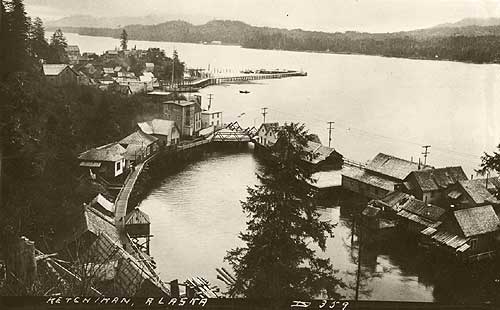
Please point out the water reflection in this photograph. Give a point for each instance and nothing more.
(196, 217)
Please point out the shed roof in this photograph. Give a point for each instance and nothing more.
(138, 137)
(418, 219)
(320, 152)
(109, 152)
(371, 179)
(477, 190)
(396, 199)
(103, 202)
(137, 217)
(392, 166)
(54, 69)
(157, 127)
(182, 103)
(440, 178)
(87, 219)
(477, 220)
(422, 209)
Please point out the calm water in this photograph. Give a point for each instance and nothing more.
(378, 105)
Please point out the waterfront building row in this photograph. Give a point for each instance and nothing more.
(445, 210)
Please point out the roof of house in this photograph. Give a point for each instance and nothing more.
(54, 69)
(446, 238)
(131, 273)
(157, 127)
(138, 137)
(418, 219)
(182, 103)
(87, 219)
(107, 70)
(137, 217)
(477, 220)
(371, 179)
(395, 200)
(319, 151)
(210, 112)
(109, 152)
(440, 178)
(477, 190)
(103, 202)
(420, 208)
(268, 126)
(392, 166)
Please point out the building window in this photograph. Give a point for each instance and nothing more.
(118, 166)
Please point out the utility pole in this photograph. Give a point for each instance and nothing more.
(330, 128)
(264, 112)
(210, 97)
(425, 153)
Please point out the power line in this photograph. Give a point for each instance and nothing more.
(330, 124)
(264, 112)
(425, 153)
(210, 97)
(363, 132)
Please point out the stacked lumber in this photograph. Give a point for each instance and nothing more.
(202, 288)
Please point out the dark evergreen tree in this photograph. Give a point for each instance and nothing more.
(15, 38)
(277, 261)
(38, 43)
(491, 163)
(124, 40)
(58, 46)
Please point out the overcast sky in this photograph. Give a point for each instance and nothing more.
(325, 15)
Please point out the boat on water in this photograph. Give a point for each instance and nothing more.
(244, 92)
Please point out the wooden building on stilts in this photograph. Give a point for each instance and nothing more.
(137, 226)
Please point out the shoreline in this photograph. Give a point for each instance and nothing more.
(306, 51)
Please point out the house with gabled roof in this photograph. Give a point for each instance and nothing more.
(139, 146)
(382, 175)
(107, 161)
(323, 157)
(166, 131)
(472, 193)
(267, 134)
(60, 74)
(430, 185)
(471, 233)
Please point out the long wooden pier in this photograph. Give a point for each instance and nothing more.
(241, 78)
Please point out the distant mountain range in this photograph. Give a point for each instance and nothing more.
(492, 21)
(120, 21)
(469, 40)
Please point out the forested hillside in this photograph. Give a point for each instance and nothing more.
(470, 43)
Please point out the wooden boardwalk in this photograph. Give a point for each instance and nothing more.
(121, 202)
(239, 78)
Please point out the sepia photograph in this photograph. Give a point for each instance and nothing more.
(250, 154)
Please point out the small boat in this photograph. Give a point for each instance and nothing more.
(244, 92)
